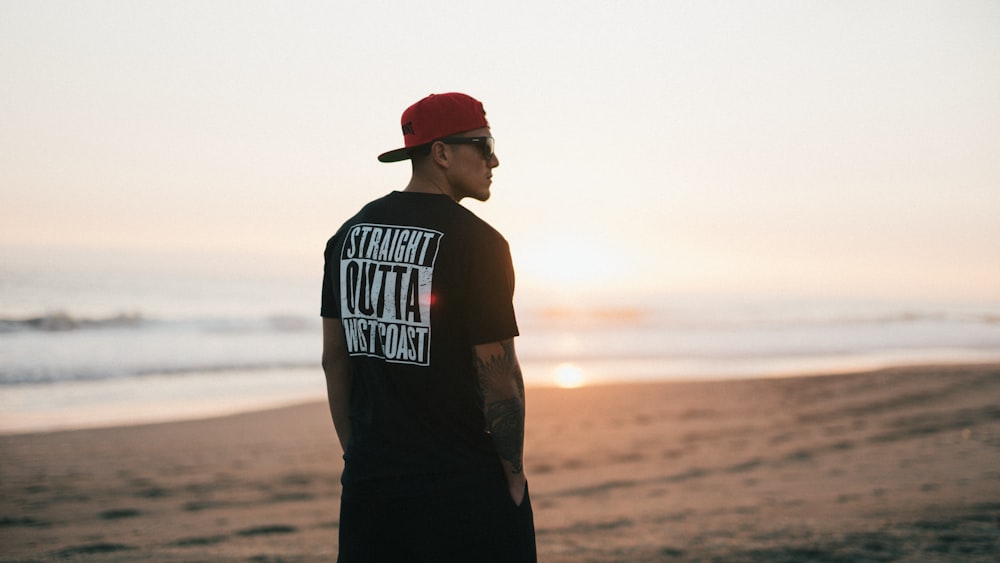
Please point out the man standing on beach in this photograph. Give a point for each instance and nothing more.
(424, 386)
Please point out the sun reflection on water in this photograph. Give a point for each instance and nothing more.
(569, 376)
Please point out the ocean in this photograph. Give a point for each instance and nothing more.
(89, 347)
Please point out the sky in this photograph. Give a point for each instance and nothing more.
(819, 148)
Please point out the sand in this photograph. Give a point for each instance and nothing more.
(895, 465)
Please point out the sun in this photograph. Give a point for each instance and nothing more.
(569, 376)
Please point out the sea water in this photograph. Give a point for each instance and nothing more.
(90, 347)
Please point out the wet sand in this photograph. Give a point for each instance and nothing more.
(899, 464)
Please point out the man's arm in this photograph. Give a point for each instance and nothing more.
(503, 402)
(337, 367)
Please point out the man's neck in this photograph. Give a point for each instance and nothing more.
(428, 186)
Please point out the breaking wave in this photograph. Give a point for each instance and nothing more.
(62, 347)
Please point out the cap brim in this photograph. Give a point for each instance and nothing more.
(395, 156)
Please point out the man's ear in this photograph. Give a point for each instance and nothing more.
(439, 152)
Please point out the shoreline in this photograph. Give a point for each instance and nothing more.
(167, 398)
(899, 463)
(163, 398)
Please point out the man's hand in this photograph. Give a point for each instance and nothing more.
(517, 487)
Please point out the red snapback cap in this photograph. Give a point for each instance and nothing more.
(434, 117)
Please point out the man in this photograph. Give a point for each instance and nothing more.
(424, 386)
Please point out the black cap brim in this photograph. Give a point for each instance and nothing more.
(395, 156)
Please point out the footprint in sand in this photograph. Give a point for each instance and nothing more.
(267, 530)
(91, 549)
(199, 541)
(119, 513)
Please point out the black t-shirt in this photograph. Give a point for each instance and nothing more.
(417, 280)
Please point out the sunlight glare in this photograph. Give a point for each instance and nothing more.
(572, 261)
(569, 376)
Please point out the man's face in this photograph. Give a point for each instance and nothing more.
(471, 174)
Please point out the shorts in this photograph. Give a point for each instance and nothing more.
(479, 523)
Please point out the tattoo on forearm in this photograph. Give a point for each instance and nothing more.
(500, 366)
(497, 364)
(505, 419)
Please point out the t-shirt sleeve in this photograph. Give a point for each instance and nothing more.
(490, 314)
(330, 301)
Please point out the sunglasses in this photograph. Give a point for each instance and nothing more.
(485, 144)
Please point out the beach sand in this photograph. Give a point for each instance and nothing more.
(900, 464)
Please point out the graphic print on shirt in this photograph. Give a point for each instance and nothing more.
(385, 291)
